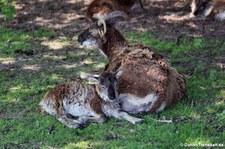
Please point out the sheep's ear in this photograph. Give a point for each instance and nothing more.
(84, 75)
(89, 77)
(93, 80)
(118, 73)
(114, 17)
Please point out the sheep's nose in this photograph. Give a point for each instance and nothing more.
(112, 94)
(112, 97)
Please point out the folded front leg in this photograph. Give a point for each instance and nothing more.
(123, 115)
(71, 123)
(133, 120)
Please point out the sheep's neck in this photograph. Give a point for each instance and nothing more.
(115, 40)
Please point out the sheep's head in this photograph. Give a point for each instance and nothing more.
(94, 36)
(106, 84)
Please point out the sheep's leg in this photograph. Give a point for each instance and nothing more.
(124, 115)
(90, 119)
(71, 123)
(81, 121)
(62, 116)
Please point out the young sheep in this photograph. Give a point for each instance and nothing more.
(209, 8)
(103, 7)
(147, 82)
(90, 103)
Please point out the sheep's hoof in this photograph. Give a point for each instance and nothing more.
(102, 120)
(73, 125)
(82, 126)
(140, 121)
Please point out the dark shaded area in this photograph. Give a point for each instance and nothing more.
(165, 18)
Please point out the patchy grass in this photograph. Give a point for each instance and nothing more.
(33, 62)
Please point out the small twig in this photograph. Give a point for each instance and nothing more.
(192, 103)
(64, 62)
(164, 121)
(195, 57)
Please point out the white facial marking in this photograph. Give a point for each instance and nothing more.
(89, 43)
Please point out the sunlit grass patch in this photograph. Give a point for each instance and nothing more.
(56, 44)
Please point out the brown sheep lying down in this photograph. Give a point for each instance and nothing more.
(90, 103)
(147, 82)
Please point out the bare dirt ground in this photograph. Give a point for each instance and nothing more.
(166, 18)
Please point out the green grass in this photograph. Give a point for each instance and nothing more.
(197, 119)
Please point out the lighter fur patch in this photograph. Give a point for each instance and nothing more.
(163, 105)
(77, 109)
(137, 101)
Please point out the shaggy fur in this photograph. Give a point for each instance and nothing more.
(144, 72)
(83, 101)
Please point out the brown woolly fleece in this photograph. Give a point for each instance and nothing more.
(72, 91)
(144, 71)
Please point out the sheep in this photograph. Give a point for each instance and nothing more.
(212, 9)
(88, 102)
(147, 82)
(103, 7)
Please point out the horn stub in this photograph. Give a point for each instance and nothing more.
(116, 14)
(101, 21)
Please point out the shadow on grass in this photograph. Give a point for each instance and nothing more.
(168, 19)
(56, 58)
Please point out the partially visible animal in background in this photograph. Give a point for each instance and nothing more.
(211, 9)
(90, 103)
(101, 8)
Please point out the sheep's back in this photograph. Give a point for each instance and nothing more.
(145, 72)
